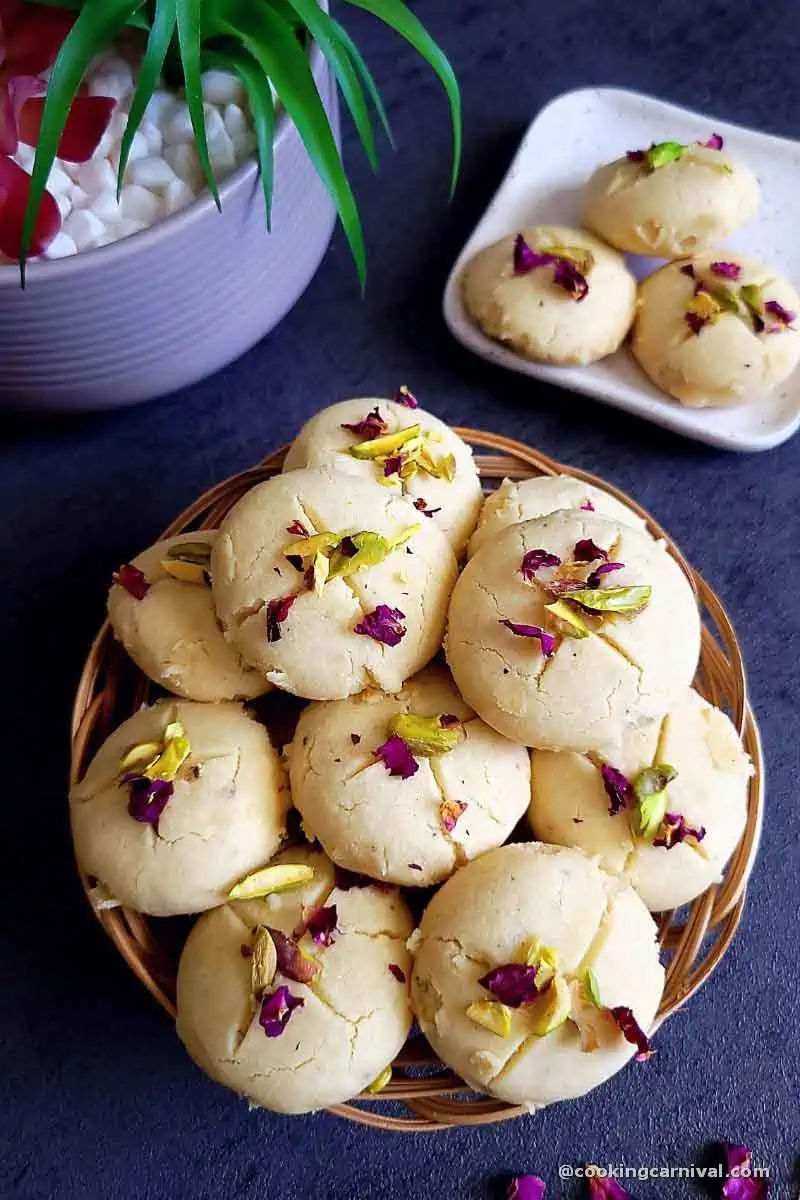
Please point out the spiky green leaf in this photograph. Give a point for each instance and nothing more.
(262, 107)
(164, 23)
(190, 20)
(366, 78)
(398, 17)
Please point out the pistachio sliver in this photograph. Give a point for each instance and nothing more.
(139, 757)
(380, 1081)
(543, 958)
(389, 442)
(491, 1015)
(264, 961)
(185, 570)
(621, 599)
(174, 754)
(650, 788)
(551, 1009)
(566, 619)
(271, 879)
(592, 988)
(321, 570)
(426, 736)
(193, 552)
(310, 546)
(403, 536)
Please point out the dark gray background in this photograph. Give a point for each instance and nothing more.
(97, 1098)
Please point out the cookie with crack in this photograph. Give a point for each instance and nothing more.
(665, 809)
(161, 610)
(406, 787)
(528, 964)
(405, 448)
(328, 584)
(566, 630)
(299, 999)
(179, 802)
(552, 294)
(524, 499)
(671, 200)
(719, 330)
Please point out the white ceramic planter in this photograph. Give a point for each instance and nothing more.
(168, 306)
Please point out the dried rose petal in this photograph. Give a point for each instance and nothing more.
(675, 829)
(133, 580)
(397, 758)
(371, 426)
(290, 959)
(414, 867)
(567, 276)
(784, 315)
(727, 270)
(603, 1187)
(593, 580)
(535, 560)
(526, 1187)
(587, 506)
(715, 142)
(345, 880)
(449, 813)
(526, 259)
(277, 612)
(298, 529)
(33, 38)
(86, 122)
(392, 465)
(635, 155)
(587, 551)
(688, 269)
(14, 187)
(740, 1183)
(398, 972)
(695, 322)
(619, 788)
(276, 1009)
(632, 1031)
(383, 624)
(513, 984)
(355, 738)
(405, 397)
(422, 506)
(547, 640)
(322, 925)
(148, 798)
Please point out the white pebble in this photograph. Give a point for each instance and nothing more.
(177, 196)
(79, 197)
(152, 135)
(221, 87)
(157, 107)
(139, 147)
(177, 128)
(235, 120)
(151, 172)
(186, 165)
(126, 227)
(58, 181)
(24, 156)
(106, 206)
(115, 80)
(64, 202)
(61, 246)
(220, 146)
(244, 146)
(105, 239)
(84, 228)
(96, 176)
(138, 203)
(112, 136)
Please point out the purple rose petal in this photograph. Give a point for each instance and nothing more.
(587, 551)
(392, 465)
(526, 1187)
(132, 580)
(675, 829)
(371, 426)
(277, 612)
(291, 961)
(688, 269)
(397, 758)
(547, 640)
(740, 1183)
(422, 506)
(355, 738)
(727, 270)
(635, 155)
(632, 1031)
(148, 798)
(594, 579)
(322, 925)
(784, 316)
(567, 276)
(619, 788)
(298, 529)
(276, 1009)
(587, 506)
(526, 259)
(383, 624)
(513, 984)
(695, 322)
(398, 972)
(450, 812)
(405, 397)
(535, 560)
(715, 142)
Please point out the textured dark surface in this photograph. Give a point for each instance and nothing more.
(96, 1095)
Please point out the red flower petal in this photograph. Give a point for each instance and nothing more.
(86, 123)
(14, 187)
(14, 93)
(34, 37)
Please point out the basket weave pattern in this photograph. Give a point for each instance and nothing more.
(432, 1097)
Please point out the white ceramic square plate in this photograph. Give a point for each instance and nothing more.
(569, 138)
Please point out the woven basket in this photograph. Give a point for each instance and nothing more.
(423, 1094)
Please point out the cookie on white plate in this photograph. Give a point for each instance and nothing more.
(179, 802)
(161, 610)
(406, 787)
(552, 294)
(328, 584)
(533, 968)
(565, 631)
(718, 330)
(299, 999)
(405, 448)
(524, 499)
(665, 809)
(671, 200)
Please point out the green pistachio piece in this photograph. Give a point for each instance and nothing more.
(752, 297)
(621, 599)
(371, 549)
(491, 1015)
(193, 552)
(310, 546)
(403, 536)
(705, 306)
(271, 879)
(380, 1082)
(426, 736)
(725, 298)
(592, 988)
(443, 467)
(385, 445)
(566, 619)
(583, 259)
(661, 154)
(185, 570)
(543, 958)
(172, 757)
(264, 961)
(650, 788)
(322, 566)
(139, 757)
(551, 1009)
